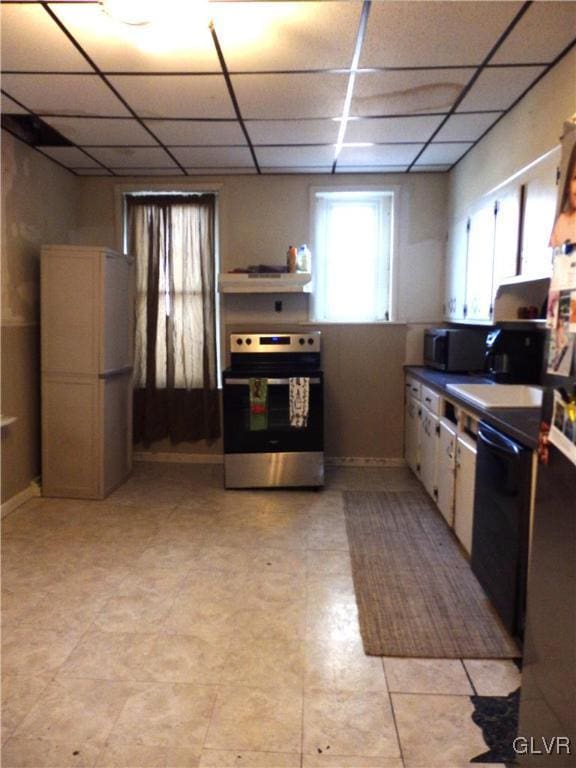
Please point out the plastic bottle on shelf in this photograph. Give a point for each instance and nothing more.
(303, 258)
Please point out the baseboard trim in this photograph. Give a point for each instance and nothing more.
(179, 458)
(363, 461)
(16, 501)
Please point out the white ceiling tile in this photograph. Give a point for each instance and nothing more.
(454, 33)
(398, 93)
(466, 127)
(176, 95)
(542, 32)
(200, 132)
(140, 172)
(92, 172)
(277, 170)
(293, 131)
(295, 157)
(133, 157)
(100, 131)
(394, 154)
(291, 95)
(499, 88)
(71, 157)
(210, 157)
(64, 94)
(10, 107)
(287, 35)
(375, 129)
(167, 45)
(442, 154)
(32, 42)
(371, 168)
(221, 171)
(430, 168)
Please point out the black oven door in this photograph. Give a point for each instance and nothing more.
(280, 436)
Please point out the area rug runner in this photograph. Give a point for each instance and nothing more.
(415, 591)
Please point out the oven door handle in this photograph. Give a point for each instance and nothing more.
(271, 382)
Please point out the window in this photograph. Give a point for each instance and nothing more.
(353, 255)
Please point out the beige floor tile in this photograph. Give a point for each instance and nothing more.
(166, 714)
(250, 559)
(335, 664)
(270, 589)
(41, 753)
(19, 604)
(213, 758)
(75, 712)
(29, 651)
(122, 755)
(436, 730)
(19, 694)
(426, 676)
(284, 621)
(349, 723)
(256, 720)
(328, 563)
(326, 760)
(184, 659)
(267, 662)
(66, 612)
(144, 613)
(109, 656)
(177, 554)
(207, 619)
(493, 677)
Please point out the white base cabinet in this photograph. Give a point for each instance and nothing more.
(445, 481)
(428, 450)
(464, 493)
(411, 433)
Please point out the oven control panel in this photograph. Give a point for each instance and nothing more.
(250, 343)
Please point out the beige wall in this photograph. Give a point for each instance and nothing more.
(529, 131)
(259, 218)
(38, 206)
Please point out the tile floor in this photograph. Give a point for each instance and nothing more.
(178, 625)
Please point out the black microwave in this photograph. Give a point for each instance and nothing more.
(455, 349)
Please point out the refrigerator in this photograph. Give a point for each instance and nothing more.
(547, 718)
(87, 311)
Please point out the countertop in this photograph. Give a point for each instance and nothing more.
(521, 424)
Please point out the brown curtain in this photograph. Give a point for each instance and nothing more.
(176, 395)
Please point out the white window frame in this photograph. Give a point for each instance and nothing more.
(316, 299)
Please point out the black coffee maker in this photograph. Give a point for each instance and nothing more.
(515, 356)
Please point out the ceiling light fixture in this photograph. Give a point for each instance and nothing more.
(133, 12)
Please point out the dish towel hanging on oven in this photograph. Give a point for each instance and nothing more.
(258, 404)
(299, 392)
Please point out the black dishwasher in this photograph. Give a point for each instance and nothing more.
(501, 524)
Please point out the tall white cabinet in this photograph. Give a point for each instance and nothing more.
(87, 310)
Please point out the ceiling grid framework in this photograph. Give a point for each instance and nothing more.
(305, 86)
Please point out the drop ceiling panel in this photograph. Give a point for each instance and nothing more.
(371, 169)
(466, 127)
(167, 45)
(499, 88)
(133, 157)
(392, 129)
(64, 94)
(176, 95)
(92, 172)
(409, 34)
(221, 171)
(9, 107)
(430, 168)
(210, 157)
(103, 131)
(142, 172)
(443, 154)
(287, 35)
(399, 93)
(200, 132)
(295, 157)
(276, 171)
(32, 42)
(545, 29)
(291, 95)
(71, 157)
(293, 131)
(398, 154)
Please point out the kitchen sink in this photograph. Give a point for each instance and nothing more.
(499, 395)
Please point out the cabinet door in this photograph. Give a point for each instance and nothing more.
(411, 430)
(428, 450)
(540, 193)
(446, 467)
(464, 493)
(479, 264)
(117, 339)
(506, 237)
(455, 294)
(116, 410)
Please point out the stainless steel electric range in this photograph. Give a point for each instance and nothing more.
(267, 444)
